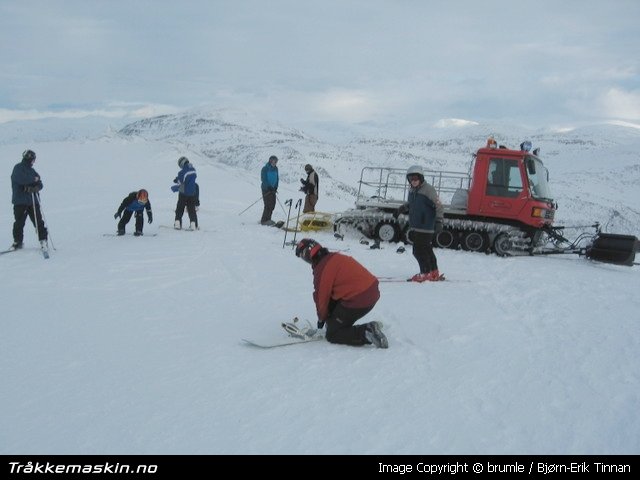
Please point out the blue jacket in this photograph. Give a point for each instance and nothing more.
(132, 204)
(424, 208)
(186, 181)
(269, 177)
(23, 176)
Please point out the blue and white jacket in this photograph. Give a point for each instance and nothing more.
(186, 181)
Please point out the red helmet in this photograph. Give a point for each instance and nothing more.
(143, 196)
(307, 249)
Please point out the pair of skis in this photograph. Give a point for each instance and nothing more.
(405, 280)
(44, 249)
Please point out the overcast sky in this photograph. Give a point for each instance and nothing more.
(537, 63)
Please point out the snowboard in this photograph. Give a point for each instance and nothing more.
(282, 343)
(129, 234)
(296, 334)
(171, 227)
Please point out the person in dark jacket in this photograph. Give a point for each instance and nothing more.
(344, 292)
(269, 185)
(188, 194)
(310, 187)
(135, 202)
(25, 185)
(425, 220)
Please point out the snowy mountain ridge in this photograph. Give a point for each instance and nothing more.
(594, 170)
(597, 167)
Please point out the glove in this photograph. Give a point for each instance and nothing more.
(438, 227)
(175, 180)
(320, 324)
(117, 215)
(175, 188)
(303, 181)
(150, 218)
(32, 189)
(401, 209)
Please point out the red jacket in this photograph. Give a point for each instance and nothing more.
(338, 277)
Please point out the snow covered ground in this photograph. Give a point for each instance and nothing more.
(132, 345)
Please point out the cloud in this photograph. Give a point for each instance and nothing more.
(454, 122)
(345, 105)
(122, 110)
(621, 104)
(358, 61)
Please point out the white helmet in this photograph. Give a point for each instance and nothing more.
(415, 170)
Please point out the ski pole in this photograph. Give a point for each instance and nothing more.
(250, 205)
(295, 232)
(35, 215)
(283, 210)
(44, 221)
(286, 228)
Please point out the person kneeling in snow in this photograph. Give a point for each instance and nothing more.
(344, 292)
(134, 202)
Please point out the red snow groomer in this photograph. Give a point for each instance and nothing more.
(503, 204)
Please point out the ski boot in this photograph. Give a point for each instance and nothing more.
(373, 334)
(419, 277)
(434, 276)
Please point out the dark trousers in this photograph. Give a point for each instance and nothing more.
(126, 216)
(20, 213)
(340, 328)
(423, 251)
(269, 199)
(189, 203)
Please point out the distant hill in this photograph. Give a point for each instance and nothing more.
(594, 171)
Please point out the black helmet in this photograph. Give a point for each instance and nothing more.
(182, 161)
(273, 157)
(307, 249)
(308, 168)
(28, 156)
